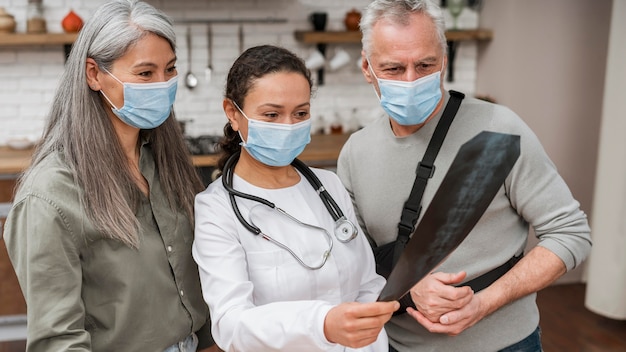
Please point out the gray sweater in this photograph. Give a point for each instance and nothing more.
(378, 169)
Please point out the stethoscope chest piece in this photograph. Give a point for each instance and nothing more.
(345, 231)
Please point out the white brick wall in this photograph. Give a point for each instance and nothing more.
(29, 75)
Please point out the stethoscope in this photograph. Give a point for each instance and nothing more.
(345, 231)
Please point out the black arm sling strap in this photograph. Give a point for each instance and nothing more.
(385, 261)
(425, 169)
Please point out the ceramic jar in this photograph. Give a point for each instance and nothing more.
(352, 20)
(7, 22)
(36, 22)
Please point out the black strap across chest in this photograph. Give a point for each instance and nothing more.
(425, 170)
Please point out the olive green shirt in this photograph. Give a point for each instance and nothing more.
(86, 292)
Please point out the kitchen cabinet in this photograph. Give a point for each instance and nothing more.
(321, 39)
(11, 298)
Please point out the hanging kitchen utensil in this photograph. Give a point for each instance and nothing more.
(240, 36)
(209, 69)
(475, 176)
(190, 79)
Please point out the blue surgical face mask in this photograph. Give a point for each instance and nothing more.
(409, 103)
(146, 105)
(276, 144)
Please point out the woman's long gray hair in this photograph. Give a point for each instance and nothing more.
(398, 11)
(79, 128)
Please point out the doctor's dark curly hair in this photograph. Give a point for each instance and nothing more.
(251, 65)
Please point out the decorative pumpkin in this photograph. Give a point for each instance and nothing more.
(72, 23)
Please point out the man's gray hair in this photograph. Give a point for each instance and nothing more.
(398, 11)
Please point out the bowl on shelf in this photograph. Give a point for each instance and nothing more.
(20, 143)
(7, 22)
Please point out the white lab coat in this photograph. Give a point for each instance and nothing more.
(259, 296)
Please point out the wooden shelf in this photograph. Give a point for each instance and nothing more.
(336, 37)
(471, 34)
(25, 39)
(328, 37)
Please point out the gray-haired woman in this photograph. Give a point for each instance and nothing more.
(101, 228)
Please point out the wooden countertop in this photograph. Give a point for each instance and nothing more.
(322, 151)
(13, 161)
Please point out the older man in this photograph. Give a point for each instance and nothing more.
(404, 58)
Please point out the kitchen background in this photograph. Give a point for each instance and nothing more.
(29, 75)
(559, 64)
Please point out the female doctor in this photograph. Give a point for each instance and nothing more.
(283, 263)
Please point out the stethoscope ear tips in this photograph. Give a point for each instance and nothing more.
(345, 231)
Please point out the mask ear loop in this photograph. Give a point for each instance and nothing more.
(243, 141)
(443, 71)
(241, 111)
(109, 100)
(102, 92)
(369, 67)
